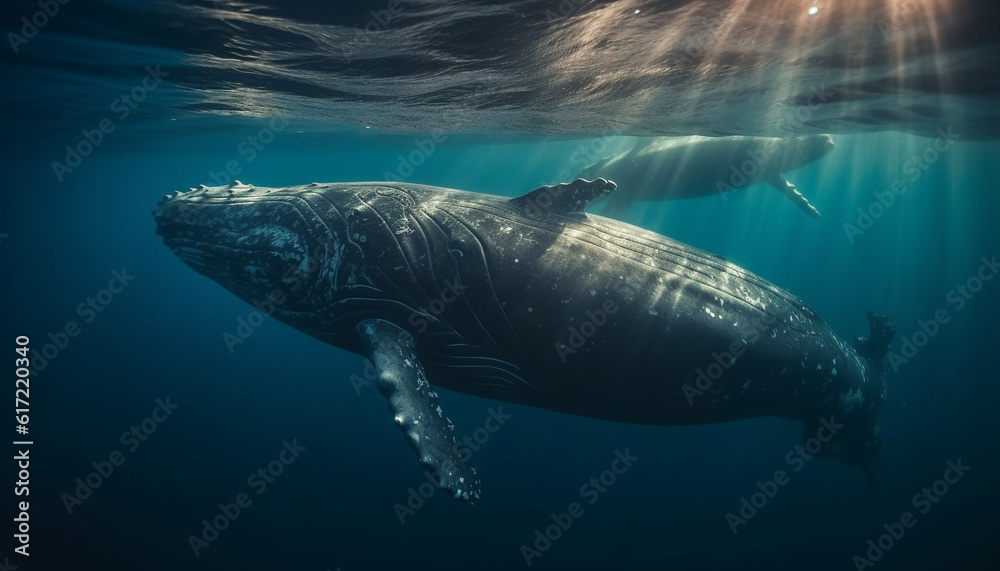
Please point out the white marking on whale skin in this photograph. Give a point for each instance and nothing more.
(834, 371)
(402, 227)
(852, 399)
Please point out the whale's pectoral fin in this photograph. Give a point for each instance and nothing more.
(566, 199)
(788, 189)
(414, 404)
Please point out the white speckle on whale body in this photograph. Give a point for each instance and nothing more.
(852, 399)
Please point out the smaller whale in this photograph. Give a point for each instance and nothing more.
(671, 168)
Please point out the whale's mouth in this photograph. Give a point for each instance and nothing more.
(236, 216)
(259, 243)
(250, 242)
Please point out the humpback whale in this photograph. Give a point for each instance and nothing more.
(529, 300)
(670, 168)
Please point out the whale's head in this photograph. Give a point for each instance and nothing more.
(274, 248)
(797, 152)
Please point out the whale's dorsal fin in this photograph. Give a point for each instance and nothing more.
(567, 198)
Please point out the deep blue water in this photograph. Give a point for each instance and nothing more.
(161, 336)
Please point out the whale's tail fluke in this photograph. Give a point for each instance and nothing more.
(875, 347)
(861, 443)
